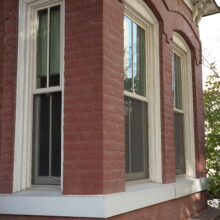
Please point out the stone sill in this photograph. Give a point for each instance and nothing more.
(53, 203)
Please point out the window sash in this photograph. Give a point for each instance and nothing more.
(48, 47)
(179, 143)
(134, 57)
(180, 163)
(47, 139)
(177, 81)
(136, 141)
(46, 142)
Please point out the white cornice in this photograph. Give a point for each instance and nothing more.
(202, 8)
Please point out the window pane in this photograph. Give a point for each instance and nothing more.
(138, 135)
(136, 138)
(41, 134)
(128, 64)
(47, 138)
(179, 143)
(56, 134)
(54, 79)
(127, 134)
(177, 82)
(42, 49)
(139, 60)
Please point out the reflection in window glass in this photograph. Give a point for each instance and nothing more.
(128, 64)
(139, 71)
(134, 58)
(177, 81)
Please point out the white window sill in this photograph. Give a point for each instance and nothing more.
(53, 203)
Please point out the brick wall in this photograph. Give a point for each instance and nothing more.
(8, 48)
(93, 103)
(113, 97)
(1, 72)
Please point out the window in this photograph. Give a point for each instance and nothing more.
(136, 104)
(178, 115)
(38, 137)
(183, 108)
(47, 99)
(141, 97)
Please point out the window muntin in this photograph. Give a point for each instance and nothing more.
(178, 115)
(47, 100)
(136, 126)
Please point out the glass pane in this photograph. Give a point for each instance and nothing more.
(42, 49)
(128, 65)
(56, 134)
(138, 135)
(127, 134)
(136, 138)
(179, 143)
(177, 82)
(139, 60)
(41, 134)
(54, 79)
(47, 137)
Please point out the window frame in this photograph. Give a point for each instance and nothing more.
(142, 98)
(138, 11)
(46, 90)
(26, 63)
(180, 47)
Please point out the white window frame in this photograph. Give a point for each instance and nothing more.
(139, 12)
(25, 89)
(181, 48)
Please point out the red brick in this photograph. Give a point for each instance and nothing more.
(8, 47)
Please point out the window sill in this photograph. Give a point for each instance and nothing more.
(53, 203)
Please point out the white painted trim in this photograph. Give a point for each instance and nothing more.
(181, 48)
(23, 122)
(188, 186)
(189, 4)
(135, 96)
(53, 203)
(141, 13)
